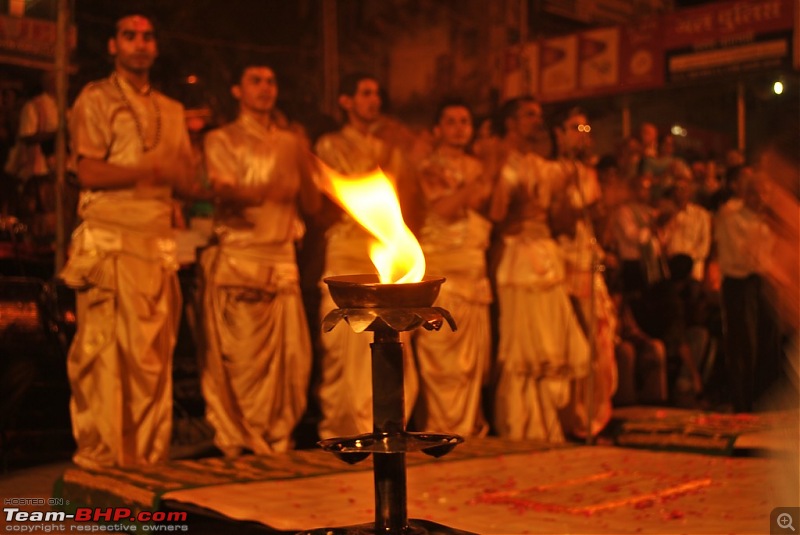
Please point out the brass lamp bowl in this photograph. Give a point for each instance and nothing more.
(366, 291)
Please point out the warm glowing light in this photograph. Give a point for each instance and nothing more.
(371, 200)
(16, 8)
(678, 130)
(191, 79)
(777, 88)
(584, 128)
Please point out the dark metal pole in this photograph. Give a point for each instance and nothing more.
(61, 63)
(741, 117)
(388, 407)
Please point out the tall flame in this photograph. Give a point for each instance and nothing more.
(371, 200)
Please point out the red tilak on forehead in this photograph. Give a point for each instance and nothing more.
(138, 23)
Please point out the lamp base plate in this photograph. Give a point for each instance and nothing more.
(415, 527)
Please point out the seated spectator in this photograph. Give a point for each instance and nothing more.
(641, 362)
(696, 309)
(672, 311)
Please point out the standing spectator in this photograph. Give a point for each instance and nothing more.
(485, 138)
(650, 164)
(648, 136)
(132, 148)
(10, 110)
(734, 158)
(258, 351)
(711, 192)
(9, 124)
(629, 156)
(744, 244)
(32, 159)
(616, 192)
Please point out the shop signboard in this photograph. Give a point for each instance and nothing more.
(558, 61)
(598, 59)
(728, 38)
(602, 61)
(711, 40)
(641, 56)
(521, 73)
(29, 41)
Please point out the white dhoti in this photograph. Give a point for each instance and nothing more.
(588, 287)
(345, 387)
(258, 356)
(453, 366)
(122, 264)
(542, 347)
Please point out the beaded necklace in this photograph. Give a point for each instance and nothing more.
(136, 121)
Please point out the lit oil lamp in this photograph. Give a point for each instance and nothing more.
(400, 298)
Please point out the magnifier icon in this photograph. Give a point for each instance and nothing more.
(785, 521)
